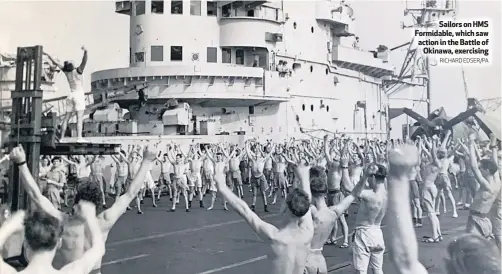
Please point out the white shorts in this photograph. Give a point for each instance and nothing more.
(368, 248)
(149, 183)
(195, 179)
(75, 101)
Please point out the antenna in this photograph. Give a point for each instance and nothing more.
(427, 15)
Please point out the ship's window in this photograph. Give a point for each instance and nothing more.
(212, 55)
(176, 53)
(250, 13)
(327, 71)
(158, 7)
(157, 54)
(140, 7)
(251, 110)
(239, 57)
(327, 108)
(312, 29)
(195, 7)
(176, 7)
(294, 25)
(311, 68)
(226, 55)
(130, 55)
(139, 57)
(211, 8)
(311, 107)
(303, 107)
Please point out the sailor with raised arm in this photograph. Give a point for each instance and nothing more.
(335, 194)
(289, 242)
(324, 217)
(220, 163)
(258, 179)
(43, 237)
(443, 160)
(489, 186)
(367, 243)
(75, 239)
(75, 101)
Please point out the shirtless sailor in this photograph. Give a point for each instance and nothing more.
(97, 166)
(429, 172)
(234, 170)
(43, 237)
(324, 219)
(279, 177)
(496, 210)
(268, 168)
(367, 243)
(290, 240)
(220, 163)
(443, 160)
(258, 180)
(208, 170)
(335, 194)
(195, 161)
(75, 101)
(134, 165)
(165, 175)
(121, 173)
(75, 239)
(180, 183)
(486, 174)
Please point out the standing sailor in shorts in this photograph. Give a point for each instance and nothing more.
(180, 183)
(429, 191)
(258, 179)
(443, 161)
(335, 194)
(220, 164)
(165, 175)
(75, 101)
(324, 218)
(234, 170)
(195, 161)
(368, 245)
(279, 177)
(486, 174)
(121, 174)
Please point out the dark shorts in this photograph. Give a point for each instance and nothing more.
(259, 182)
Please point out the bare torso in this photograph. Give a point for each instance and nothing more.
(289, 251)
(372, 207)
(280, 164)
(334, 176)
(233, 164)
(195, 166)
(257, 166)
(324, 221)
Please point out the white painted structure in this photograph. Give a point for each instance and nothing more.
(223, 59)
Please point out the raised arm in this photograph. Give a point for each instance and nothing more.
(264, 230)
(19, 157)
(81, 68)
(108, 217)
(12, 225)
(94, 254)
(474, 164)
(54, 61)
(403, 245)
(347, 201)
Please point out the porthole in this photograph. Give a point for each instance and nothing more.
(327, 71)
(327, 108)
(311, 68)
(294, 25)
(311, 107)
(303, 107)
(312, 29)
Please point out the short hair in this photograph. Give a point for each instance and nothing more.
(489, 165)
(218, 154)
(318, 186)
(298, 202)
(381, 172)
(179, 155)
(56, 159)
(317, 171)
(42, 231)
(89, 191)
(472, 253)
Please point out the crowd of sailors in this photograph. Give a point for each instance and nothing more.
(316, 180)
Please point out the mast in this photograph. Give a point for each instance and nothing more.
(427, 16)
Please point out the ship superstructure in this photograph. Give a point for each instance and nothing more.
(242, 69)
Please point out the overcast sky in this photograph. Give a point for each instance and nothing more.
(62, 27)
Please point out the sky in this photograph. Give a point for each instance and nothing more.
(62, 27)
